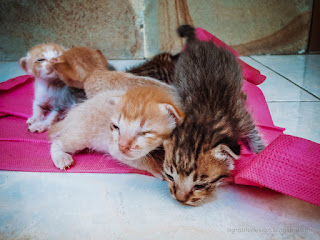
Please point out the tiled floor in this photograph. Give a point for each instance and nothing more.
(128, 206)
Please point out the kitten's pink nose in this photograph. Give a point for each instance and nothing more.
(124, 145)
(53, 60)
(181, 196)
(124, 148)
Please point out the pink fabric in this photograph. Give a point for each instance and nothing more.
(25, 151)
(289, 164)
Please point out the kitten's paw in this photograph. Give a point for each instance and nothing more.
(39, 127)
(158, 175)
(63, 161)
(156, 171)
(33, 120)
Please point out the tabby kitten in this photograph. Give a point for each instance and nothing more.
(51, 94)
(201, 151)
(127, 125)
(160, 67)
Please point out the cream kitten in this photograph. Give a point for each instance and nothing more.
(125, 124)
(50, 92)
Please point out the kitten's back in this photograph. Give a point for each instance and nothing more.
(207, 69)
(209, 82)
(160, 67)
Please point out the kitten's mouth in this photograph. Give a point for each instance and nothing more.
(126, 154)
(50, 72)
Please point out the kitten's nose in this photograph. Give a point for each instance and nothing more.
(124, 148)
(124, 145)
(181, 196)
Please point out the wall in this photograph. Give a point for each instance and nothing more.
(135, 29)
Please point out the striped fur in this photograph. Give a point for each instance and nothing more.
(160, 67)
(209, 82)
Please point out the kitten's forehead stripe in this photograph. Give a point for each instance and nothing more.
(204, 176)
(195, 177)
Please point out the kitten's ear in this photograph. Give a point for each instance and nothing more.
(102, 58)
(68, 74)
(23, 64)
(224, 153)
(60, 66)
(173, 111)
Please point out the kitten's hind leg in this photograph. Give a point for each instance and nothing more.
(254, 141)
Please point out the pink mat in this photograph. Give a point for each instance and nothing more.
(289, 164)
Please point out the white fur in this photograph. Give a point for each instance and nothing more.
(50, 53)
(38, 122)
(60, 158)
(100, 143)
(224, 153)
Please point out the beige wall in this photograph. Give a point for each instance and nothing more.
(134, 29)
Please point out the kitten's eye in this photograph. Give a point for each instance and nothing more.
(219, 178)
(113, 126)
(200, 186)
(170, 177)
(41, 59)
(144, 133)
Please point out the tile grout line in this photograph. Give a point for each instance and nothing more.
(284, 77)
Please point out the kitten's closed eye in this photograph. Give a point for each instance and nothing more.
(114, 127)
(200, 186)
(219, 178)
(145, 133)
(169, 177)
(40, 60)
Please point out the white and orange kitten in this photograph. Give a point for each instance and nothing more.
(127, 125)
(51, 94)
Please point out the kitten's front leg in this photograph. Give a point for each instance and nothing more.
(150, 165)
(60, 157)
(42, 126)
(37, 114)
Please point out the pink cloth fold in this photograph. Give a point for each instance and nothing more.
(290, 165)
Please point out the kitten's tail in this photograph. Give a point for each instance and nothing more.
(187, 31)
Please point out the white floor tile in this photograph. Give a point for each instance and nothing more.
(124, 206)
(277, 88)
(303, 70)
(299, 118)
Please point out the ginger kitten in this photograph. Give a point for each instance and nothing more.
(201, 151)
(86, 68)
(127, 125)
(51, 94)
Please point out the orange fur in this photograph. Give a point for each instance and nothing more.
(145, 112)
(30, 64)
(77, 63)
(141, 122)
(87, 69)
